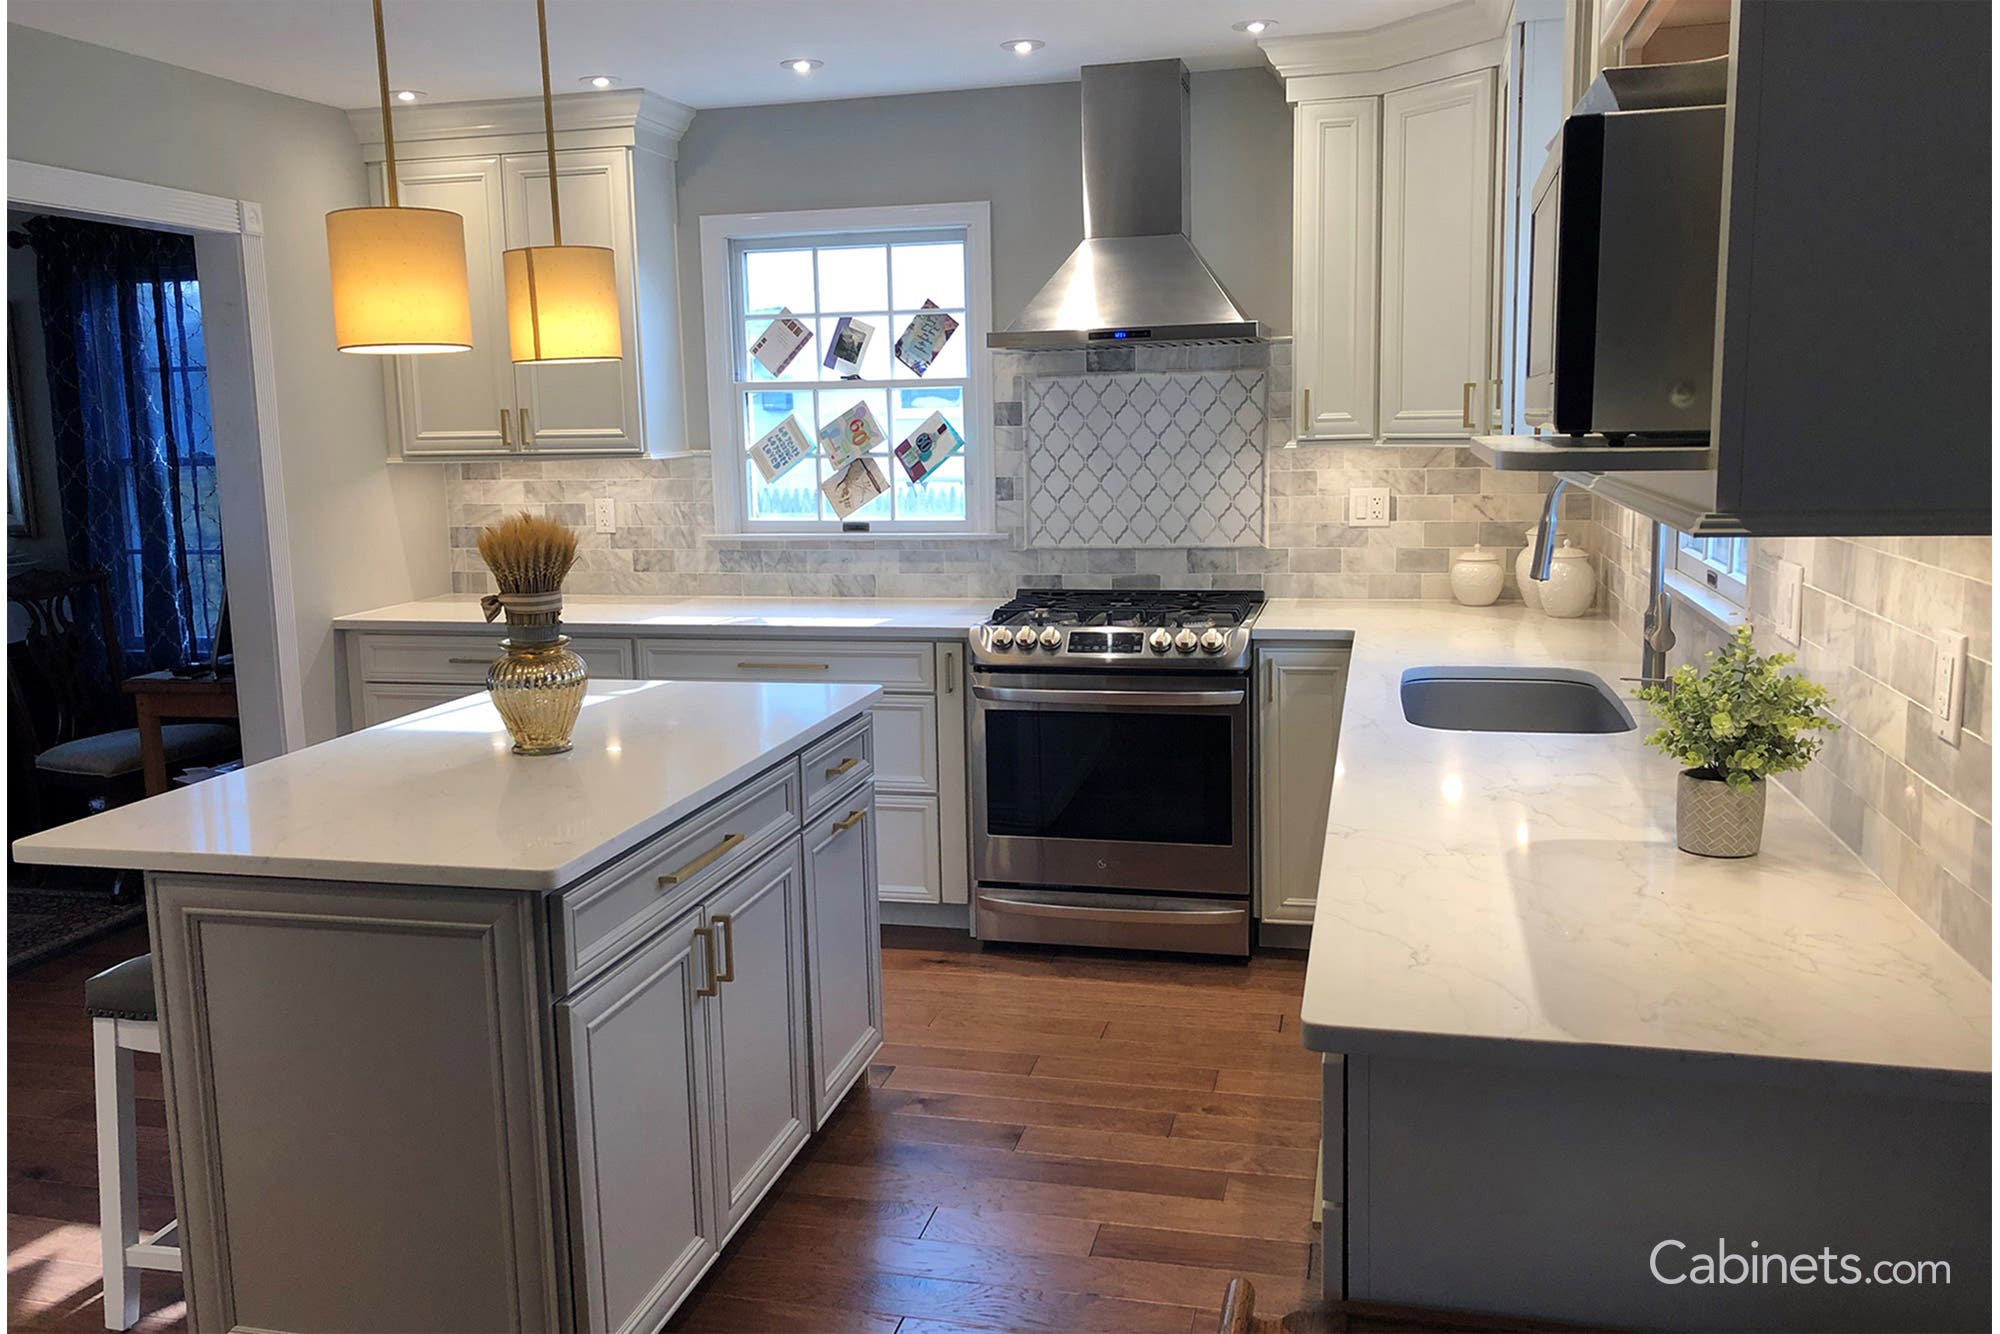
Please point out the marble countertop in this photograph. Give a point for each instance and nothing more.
(439, 798)
(1492, 888)
(799, 618)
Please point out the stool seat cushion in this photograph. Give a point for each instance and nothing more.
(111, 755)
(122, 992)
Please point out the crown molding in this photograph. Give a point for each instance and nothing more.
(1467, 23)
(626, 117)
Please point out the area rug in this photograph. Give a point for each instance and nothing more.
(44, 921)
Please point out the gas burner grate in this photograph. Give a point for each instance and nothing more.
(1198, 608)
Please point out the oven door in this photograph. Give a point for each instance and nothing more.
(1112, 780)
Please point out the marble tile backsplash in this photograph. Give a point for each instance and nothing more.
(1919, 812)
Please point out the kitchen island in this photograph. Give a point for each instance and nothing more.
(1565, 1061)
(455, 1039)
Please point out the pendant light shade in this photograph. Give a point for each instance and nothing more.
(562, 304)
(399, 284)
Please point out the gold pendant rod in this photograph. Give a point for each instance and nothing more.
(388, 132)
(548, 118)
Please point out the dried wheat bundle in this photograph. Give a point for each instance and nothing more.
(529, 557)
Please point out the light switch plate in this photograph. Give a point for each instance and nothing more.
(607, 516)
(1948, 687)
(1787, 599)
(1368, 507)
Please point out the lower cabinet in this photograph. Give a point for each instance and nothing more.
(843, 954)
(1300, 693)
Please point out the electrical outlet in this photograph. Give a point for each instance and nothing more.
(1948, 687)
(607, 516)
(1787, 598)
(1368, 507)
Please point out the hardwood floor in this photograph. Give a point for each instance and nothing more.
(1049, 1141)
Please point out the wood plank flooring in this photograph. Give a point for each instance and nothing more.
(1049, 1141)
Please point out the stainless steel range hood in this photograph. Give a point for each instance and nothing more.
(1135, 278)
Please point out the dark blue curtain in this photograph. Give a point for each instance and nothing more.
(135, 452)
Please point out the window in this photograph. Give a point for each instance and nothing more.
(176, 361)
(1720, 563)
(879, 267)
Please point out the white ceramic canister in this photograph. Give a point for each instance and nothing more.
(1572, 586)
(1476, 577)
(1531, 592)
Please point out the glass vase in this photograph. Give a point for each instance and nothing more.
(538, 689)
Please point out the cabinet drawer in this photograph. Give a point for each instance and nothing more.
(599, 920)
(464, 658)
(905, 743)
(838, 763)
(891, 666)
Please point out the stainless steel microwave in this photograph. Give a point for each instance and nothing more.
(1623, 244)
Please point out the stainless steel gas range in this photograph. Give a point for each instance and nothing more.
(1111, 769)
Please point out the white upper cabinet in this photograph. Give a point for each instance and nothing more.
(487, 161)
(1336, 166)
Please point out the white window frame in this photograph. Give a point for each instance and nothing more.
(724, 331)
(1691, 562)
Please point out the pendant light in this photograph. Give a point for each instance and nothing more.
(399, 280)
(562, 300)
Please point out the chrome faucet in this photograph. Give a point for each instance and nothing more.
(1657, 641)
(1545, 532)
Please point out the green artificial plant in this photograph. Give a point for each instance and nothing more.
(1739, 720)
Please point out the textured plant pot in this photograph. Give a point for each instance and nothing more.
(1713, 819)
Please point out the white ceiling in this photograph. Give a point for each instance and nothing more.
(706, 53)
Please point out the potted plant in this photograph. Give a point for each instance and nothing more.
(1734, 724)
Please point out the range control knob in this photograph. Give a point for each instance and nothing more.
(1185, 641)
(1212, 641)
(1160, 641)
(1051, 638)
(1003, 638)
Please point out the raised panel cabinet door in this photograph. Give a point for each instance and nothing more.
(911, 861)
(590, 407)
(1336, 161)
(757, 1022)
(843, 947)
(451, 403)
(1437, 245)
(633, 1050)
(1302, 691)
(382, 703)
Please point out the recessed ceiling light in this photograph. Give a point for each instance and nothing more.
(1255, 26)
(409, 94)
(599, 81)
(801, 64)
(1023, 46)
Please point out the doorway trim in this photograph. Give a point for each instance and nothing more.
(243, 405)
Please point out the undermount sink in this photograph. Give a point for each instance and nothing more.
(1511, 699)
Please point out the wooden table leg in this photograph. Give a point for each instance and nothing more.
(152, 747)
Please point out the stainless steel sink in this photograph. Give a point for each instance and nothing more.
(1511, 699)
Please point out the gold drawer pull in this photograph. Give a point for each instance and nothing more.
(853, 819)
(471, 662)
(841, 768)
(708, 947)
(1465, 406)
(784, 666)
(726, 924)
(700, 863)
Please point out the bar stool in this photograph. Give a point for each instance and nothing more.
(124, 1019)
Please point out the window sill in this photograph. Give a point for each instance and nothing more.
(1705, 602)
(755, 539)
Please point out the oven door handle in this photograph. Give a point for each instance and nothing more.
(1080, 912)
(1131, 699)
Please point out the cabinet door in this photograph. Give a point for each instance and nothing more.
(757, 1021)
(1302, 690)
(912, 865)
(636, 1106)
(843, 947)
(1437, 243)
(380, 703)
(1335, 156)
(450, 404)
(592, 406)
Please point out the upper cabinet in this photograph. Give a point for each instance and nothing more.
(1395, 205)
(486, 161)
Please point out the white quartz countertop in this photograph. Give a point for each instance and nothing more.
(799, 618)
(1493, 888)
(439, 797)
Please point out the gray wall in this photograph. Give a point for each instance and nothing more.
(362, 533)
(1021, 149)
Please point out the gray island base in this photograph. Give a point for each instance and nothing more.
(456, 1040)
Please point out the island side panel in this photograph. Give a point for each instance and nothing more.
(1534, 1191)
(355, 1082)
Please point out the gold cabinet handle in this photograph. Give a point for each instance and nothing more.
(700, 863)
(527, 436)
(784, 666)
(506, 436)
(1465, 407)
(1307, 430)
(708, 947)
(470, 662)
(950, 673)
(853, 819)
(841, 768)
(726, 924)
